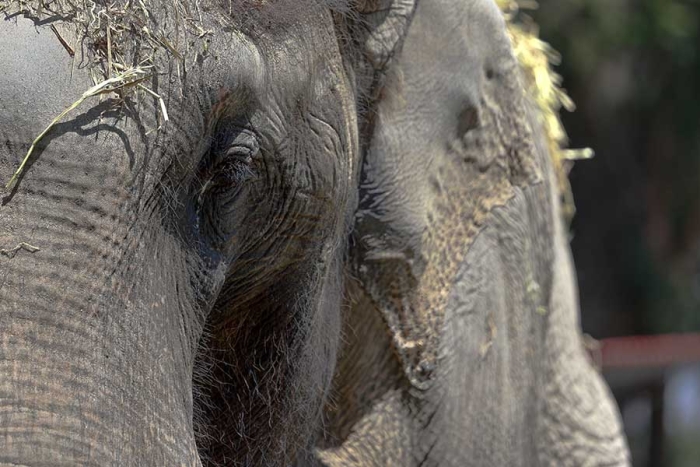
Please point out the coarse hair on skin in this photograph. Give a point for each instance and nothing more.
(276, 394)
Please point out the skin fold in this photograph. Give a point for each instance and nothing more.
(343, 248)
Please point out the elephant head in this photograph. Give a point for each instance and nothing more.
(183, 306)
(462, 340)
(181, 263)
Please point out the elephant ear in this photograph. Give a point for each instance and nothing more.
(372, 31)
(450, 141)
(382, 28)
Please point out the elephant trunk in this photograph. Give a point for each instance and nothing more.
(61, 404)
(92, 371)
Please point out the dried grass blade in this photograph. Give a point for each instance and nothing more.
(163, 109)
(109, 49)
(130, 77)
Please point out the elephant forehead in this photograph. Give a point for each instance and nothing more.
(40, 81)
(36, 82)
(290, 67)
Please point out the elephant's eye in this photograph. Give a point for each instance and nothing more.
(235, 167)
(227, 174)
(232, 162)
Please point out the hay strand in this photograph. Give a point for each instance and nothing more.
(117, 35)
(543, 85)
(69, 49)
(10, 253)
(130, 77)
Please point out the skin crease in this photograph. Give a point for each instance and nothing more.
(336, 252)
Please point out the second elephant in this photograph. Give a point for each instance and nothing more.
(463, 341)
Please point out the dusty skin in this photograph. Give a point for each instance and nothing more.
(307, 233)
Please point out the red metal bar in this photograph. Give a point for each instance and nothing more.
(648, 351)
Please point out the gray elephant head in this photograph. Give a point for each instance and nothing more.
(183, 258)
(202, 258)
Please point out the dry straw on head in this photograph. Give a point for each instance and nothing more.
(122, 40)
(536, 59)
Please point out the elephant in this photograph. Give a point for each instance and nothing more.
(341, 245)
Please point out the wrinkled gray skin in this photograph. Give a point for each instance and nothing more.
(357, 260)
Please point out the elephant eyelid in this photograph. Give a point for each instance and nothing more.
(234, 162)
(227, 177)
(236, 165)
(243, 140)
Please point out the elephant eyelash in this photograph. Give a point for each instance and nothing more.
(231, 163)
(235, 168)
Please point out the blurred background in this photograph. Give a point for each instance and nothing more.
(633, 69)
